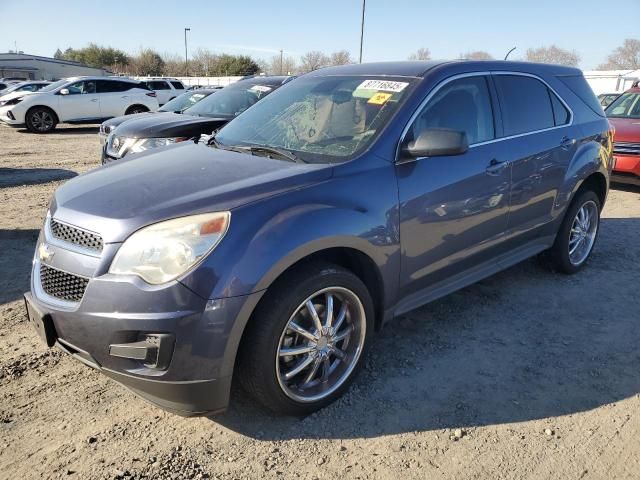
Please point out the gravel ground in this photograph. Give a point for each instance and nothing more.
(527, 374)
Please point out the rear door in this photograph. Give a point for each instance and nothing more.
(539, 142)
(114, 97)
(162, 89)
(82, 102)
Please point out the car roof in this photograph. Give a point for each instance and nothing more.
(115, 79)
(420, 68)
(202, 90)
(270, 80)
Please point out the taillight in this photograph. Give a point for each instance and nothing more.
(151, 94)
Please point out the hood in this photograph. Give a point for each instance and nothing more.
(169, 125)
(112, 123)
(627, 129)
(12, 95)
(182, 179)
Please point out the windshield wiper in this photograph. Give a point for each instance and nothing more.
(215, 143)
(280, 152)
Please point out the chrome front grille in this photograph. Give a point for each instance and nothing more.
(62, 285)
(76, 236)
(624, 148)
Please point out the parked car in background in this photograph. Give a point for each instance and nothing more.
(347, 197)
(605, 99)
(208, 87)
(32, 86)
(141, 133)
(78, 100)
(166, 88)
(624, 115)
(177, 105)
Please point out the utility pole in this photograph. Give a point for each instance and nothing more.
(186, 58)
(281, 62)
(364, 2)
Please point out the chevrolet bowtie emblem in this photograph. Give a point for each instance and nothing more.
(44, 252)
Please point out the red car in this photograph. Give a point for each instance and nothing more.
(624, 115)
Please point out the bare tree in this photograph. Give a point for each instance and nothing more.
(625, 57)
(313, 60)
(342, 57)
(421, 54)
(288, 65)
(477, 55)
(173, 64)
(553, 54)
(147, 62)
(203, 62)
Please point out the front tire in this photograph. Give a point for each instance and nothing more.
(577, 235)
(305, 343)
(41, 120)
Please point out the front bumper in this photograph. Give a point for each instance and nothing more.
(116, 310)
(626, 169)
(8, 116)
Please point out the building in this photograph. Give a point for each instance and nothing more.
(611, 81)
(34, 67)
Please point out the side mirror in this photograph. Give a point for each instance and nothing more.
(64, 91)
(437, 142)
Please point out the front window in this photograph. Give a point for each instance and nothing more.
(320, 119)
(182, 102)
(626, 105)
(230, 101)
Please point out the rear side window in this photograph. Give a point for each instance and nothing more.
(158, 85)
(560, 113)
(525, 104)
(178, 85)
(578, 85)
(110, 86)
(463, 105)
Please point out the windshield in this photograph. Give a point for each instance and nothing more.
(230, 101)
(54, 85)
(321, 119)
(626, 105)
(182, 102)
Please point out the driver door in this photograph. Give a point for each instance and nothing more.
(453, 209)
(82, 102)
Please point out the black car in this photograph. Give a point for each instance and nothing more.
(134, 134)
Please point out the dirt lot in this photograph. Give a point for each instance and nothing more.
(538, 374)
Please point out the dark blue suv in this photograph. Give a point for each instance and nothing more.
(349, 196)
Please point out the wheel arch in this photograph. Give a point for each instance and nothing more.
(30, 109)
(139, 105)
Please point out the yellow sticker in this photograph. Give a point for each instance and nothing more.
(380, 98)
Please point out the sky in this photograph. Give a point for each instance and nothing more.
(393, 30)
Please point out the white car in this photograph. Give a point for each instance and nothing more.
(78, 100)
(29, 86)
(166, 88)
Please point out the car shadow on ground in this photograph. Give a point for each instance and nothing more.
(12, 177)
(67, 130)
(17, 247)
(625, 187)
(524, 344)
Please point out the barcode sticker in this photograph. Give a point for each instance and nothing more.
(385, 85)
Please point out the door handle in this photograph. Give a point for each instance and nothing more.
(126, 96)
(94, 99)
(566, 143)
(495, 167)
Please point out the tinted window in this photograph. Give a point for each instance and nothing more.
(525, 104)
(178, 85)
(108, 86)
(158, 85)
(463, 105)
(560, 112)
(581, 88)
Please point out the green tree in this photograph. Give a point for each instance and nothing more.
(232, 65)
(147, 62)
(95, 56)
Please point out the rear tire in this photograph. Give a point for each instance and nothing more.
(41, 120)
(326, 359)
(577, 235)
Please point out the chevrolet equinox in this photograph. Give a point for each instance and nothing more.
(271, 253)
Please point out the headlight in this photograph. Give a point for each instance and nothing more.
(147, 143)
(118, 146)
(13, 101)
(164, 251)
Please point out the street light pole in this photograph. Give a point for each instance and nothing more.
(281, 62)
(364, 2)
(186, 58)
(509, 53)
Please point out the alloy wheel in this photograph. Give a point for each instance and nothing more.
(42, 120)
(321, 344)
(583, 232)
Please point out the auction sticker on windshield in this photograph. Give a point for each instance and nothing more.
(384, 85)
